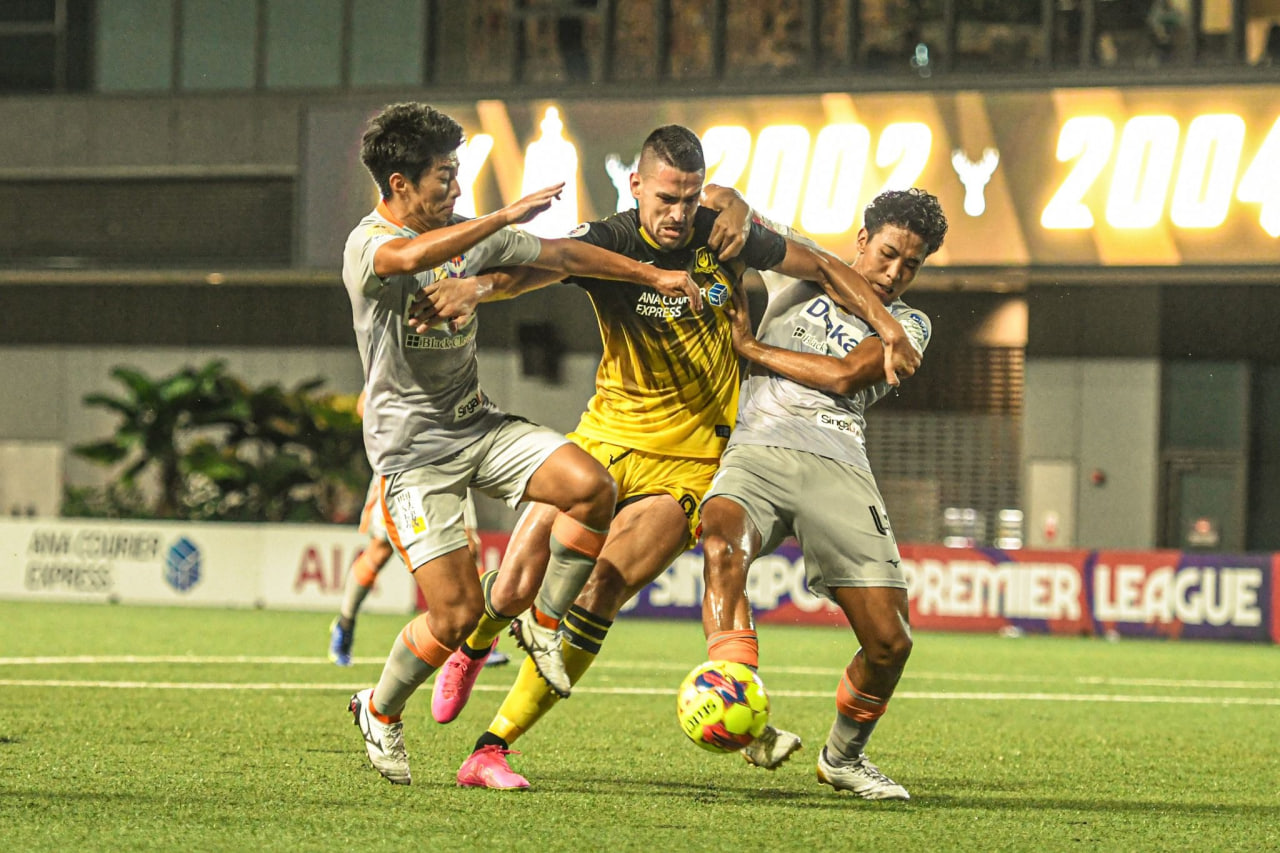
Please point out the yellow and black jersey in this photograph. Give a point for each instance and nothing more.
(668, 380)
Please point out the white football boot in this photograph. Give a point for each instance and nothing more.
(773, 747)
(861, 777)
(383, 741)
(543, 647)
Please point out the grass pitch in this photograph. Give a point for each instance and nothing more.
(152, 728)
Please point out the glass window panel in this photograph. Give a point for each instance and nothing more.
(304, 43)
(902, 37)
(998, 34)
(27, 11)
(219, 44)
(1262, 32)
(27, 63)
(134, 45)
(387, 42)
(635, 42)
(1141, 32)
(765, 38)
(690, 34)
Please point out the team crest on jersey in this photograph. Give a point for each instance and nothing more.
(704, 261)
(457, 265)
(580, 229)
(718, 293)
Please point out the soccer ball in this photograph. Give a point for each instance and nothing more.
(722, 706)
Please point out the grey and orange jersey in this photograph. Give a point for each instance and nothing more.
(424, 397)
(779, 412)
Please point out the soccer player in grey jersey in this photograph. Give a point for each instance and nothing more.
(429, 430)
(796, 464)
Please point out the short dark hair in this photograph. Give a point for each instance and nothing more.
(677, 146)
(915, 209)
(407, 138)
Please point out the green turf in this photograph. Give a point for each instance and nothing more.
(278, 765)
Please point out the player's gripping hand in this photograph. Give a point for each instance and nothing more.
(677, 283)
(738, 310)
(733, 224)
(520, 212)
(900, 357)
(451, 299)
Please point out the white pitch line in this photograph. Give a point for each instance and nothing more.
(634, 666)
(666, 691)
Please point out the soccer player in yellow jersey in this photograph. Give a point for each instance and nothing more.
(665, 403)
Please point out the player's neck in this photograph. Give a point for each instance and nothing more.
(398, 213)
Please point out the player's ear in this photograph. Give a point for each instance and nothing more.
(862, 239)
(635, 185)
(398, 182)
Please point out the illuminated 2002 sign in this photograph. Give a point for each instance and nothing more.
(827, 199)
(1146, 169)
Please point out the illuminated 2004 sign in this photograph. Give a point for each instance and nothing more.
(1148, 176)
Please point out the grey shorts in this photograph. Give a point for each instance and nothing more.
(832, 508)
(428, 506)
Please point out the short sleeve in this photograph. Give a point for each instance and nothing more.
(917, 326)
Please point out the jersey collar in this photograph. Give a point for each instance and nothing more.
(644, 235)
(385, 213)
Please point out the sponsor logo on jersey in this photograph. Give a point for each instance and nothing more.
(653, 304)
(809, 340)
(382, 229)
(470, 405)
(580, 230)
(839, 423)
(840, 336)
(436, 340)
(718, 293)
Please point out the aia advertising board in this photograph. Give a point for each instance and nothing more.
(1171, 594)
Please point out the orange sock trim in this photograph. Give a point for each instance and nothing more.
(364, 570)
(856, 705)
(548, 622)
(738, 646)
(385, 719)
(576, 536)
(418, 637)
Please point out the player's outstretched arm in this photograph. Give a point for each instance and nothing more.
(575, 257)
(406, 256)
(853, 293)
(861, 367)
(457, 298)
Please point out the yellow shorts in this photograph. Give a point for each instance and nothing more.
(639, 474)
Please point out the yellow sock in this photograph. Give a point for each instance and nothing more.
(491, 621)
(530, 697)
(486, 630)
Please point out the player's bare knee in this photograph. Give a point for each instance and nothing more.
(452, 625)
(890, 652)
(592, 495)
(723, 564)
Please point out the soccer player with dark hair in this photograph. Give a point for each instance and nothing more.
(429, 430)
(797, 466)
(369, 563)
(664, 406)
